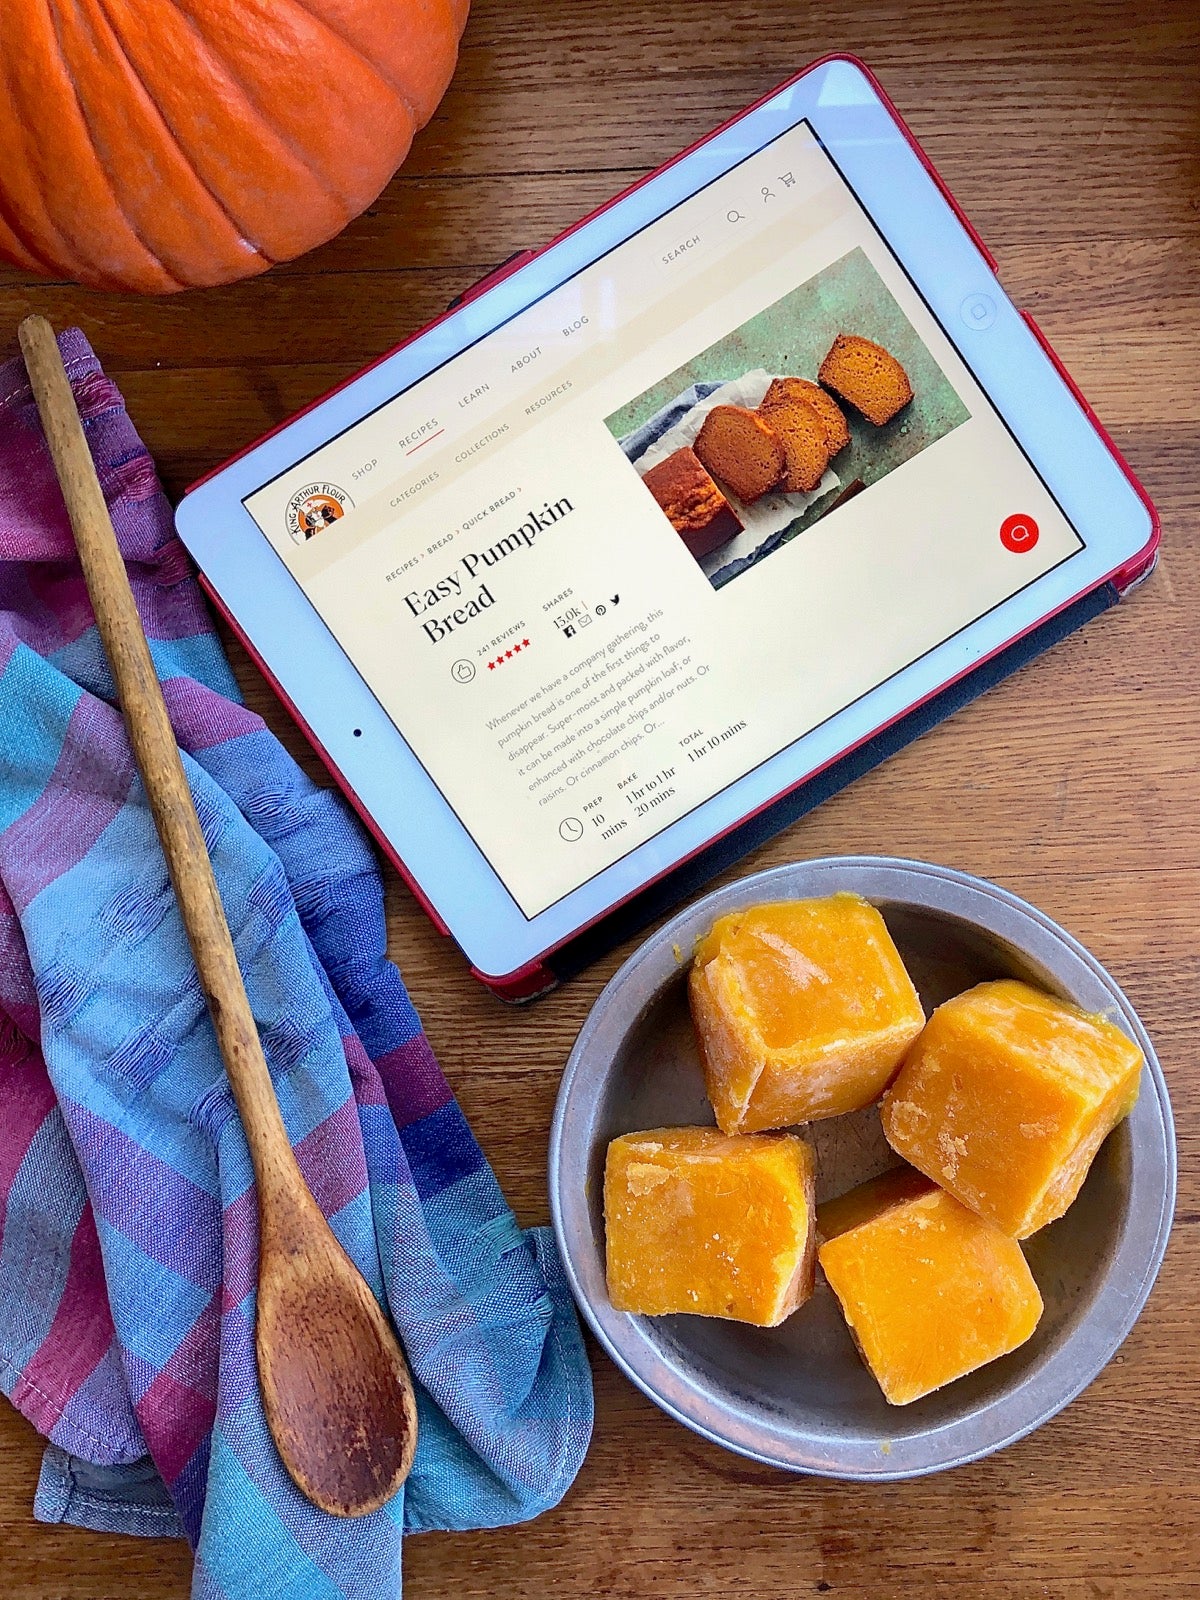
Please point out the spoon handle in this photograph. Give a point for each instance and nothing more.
(345, 1428)
(157, 754)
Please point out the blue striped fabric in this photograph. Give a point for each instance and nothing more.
(128, 1234)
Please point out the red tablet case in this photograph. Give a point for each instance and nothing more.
(656, 898)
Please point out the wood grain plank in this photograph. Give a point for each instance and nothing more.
(1099, 289)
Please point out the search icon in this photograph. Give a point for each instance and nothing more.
(734, 216)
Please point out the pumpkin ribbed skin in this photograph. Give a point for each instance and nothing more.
(157, 145)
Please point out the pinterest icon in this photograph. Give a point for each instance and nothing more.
(1018, 533)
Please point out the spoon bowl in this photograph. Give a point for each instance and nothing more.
(336, 1390)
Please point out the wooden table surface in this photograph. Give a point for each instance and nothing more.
(1070, 135)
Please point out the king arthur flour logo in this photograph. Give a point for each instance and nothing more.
(314, 507)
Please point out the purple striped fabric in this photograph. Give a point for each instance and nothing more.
(74, 808)
(128, 1227)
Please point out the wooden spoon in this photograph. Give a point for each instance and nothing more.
(336, 1388)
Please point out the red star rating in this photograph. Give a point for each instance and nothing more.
(508, 655)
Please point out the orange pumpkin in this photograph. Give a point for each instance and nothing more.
(157, 145)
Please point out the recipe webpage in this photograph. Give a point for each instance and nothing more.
(655, 528)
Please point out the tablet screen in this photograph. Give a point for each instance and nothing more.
(678, 513)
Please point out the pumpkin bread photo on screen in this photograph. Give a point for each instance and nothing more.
(804, 437)
(742, 450)
(785, 391)
(866, 375)
(692, 502)
(793, 415)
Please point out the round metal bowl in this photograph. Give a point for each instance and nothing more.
(798, 1396)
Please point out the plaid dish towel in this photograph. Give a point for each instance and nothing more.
(128, 1235)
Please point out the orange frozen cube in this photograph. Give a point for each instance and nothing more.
(803, 1010)
(930, 1290)
(1007, 1096)
(698, 1221)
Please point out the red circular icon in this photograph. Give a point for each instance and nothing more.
(1018, 533)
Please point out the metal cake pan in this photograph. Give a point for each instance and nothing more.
(798, 1396)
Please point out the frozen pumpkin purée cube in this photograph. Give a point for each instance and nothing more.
(1006, 1098)
(930, 1290)
(803, 1010)
(698, 1221)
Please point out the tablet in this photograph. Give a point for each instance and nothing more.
(667, 519)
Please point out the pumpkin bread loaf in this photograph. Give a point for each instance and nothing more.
(692, 502)
(805, 442)
(742, 450)
(784, 390)
(868, 376)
